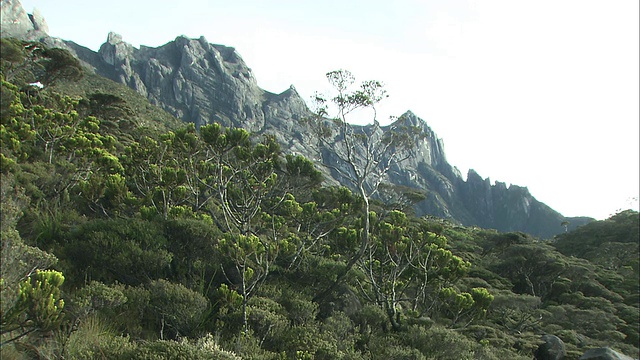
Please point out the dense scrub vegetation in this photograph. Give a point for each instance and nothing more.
(125, 237)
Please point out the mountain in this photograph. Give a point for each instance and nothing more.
(201, 83)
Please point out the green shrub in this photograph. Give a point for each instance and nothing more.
(300, 311)
(176, 310)
(94, 339)
(392, 348)
(267, 320)
(439, 343)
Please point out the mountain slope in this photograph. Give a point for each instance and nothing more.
(202, 83)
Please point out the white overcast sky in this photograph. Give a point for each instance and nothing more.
(543, 94)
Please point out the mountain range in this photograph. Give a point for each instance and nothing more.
(200, 82)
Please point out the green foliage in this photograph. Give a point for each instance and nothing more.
(177, 233)
(18, 260)
(24, 61)
(363, 156)
(93, 339)
(406, 264)
(177, 311)
(107, 106)
(96, 297)
(622, 227)
(193, 245)
(60, 64)
(612, 244)
(516, 313)
(15, 133)
(268, 321)
(12, 51)
(38, 307)
(228, 304)
(465, 306)
(18, 60)
(130, 251)
(40, 298)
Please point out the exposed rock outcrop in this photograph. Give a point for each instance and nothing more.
(192, 79)
(17, 23)
(604, 353)
(551, 349)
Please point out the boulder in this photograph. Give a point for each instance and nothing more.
(604, 353)
(551, 349)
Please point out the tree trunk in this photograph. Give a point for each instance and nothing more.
(245, 325)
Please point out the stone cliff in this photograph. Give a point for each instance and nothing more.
(200, 82)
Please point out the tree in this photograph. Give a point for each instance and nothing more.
(18, 60)
(26, 61)
(251, 259)
(130, 251)
(60, 64)
(13, 55)
(516, 313)
(407, 263)
(533, 268)
(363, 154)
(326, 211)
(16, 134)
(251, 201)
(464, 305)
(155, 171)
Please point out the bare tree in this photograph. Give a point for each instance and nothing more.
(362, 155)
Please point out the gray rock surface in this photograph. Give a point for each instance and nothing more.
(38, 21)
(552, 348)
(15, 20)
(604, 353)
(192, 79)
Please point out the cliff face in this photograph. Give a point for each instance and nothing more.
(17, 23)
(191, 79)
(203, 83)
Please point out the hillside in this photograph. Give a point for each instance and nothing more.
(203, 83)
(127, 234)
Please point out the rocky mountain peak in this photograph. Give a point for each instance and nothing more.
(115, 51)
(411, 119)
(113, 38)
(38, 21)
(17, 23)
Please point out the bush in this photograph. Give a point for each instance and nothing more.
(439, 343)
(94, 339)
(97, 296)
(176, 310)
(300, 311)
(267, 319)
(370, 318)
(173, 350)
(128, 251)
(392, 348)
